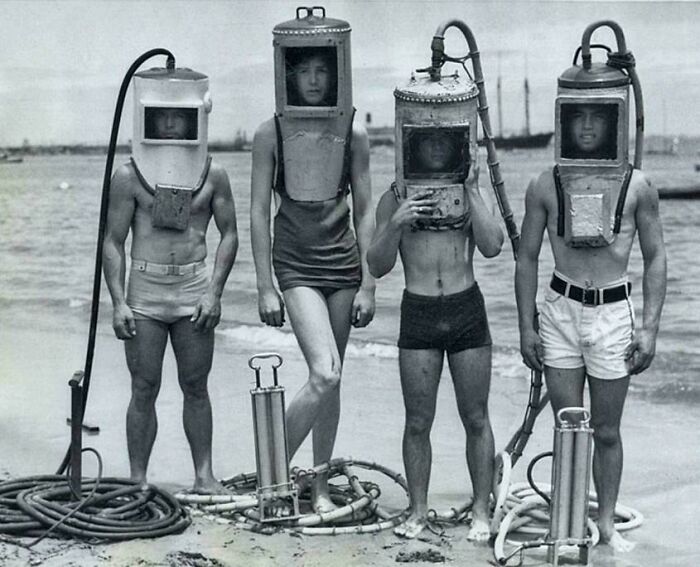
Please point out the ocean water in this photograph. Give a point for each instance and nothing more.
(49, 209)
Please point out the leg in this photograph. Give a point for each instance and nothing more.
(471, 375)
(311, 322)
(326, 427)
(193, 352)
(565, 386)
(420, 375)
(607, 401)
(144, 358)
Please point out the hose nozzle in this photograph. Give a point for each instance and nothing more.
(437, 46)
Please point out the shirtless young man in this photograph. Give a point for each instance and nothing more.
(442, 310)
(169, 295)
(592, 340)
(319, 265)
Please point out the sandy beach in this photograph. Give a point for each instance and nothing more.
(661, 477)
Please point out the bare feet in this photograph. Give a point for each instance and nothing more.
(322, 504)
(479, 531)
(615, 540)
(321, 500)
(140, 479)
(209, 486)
(413, 526)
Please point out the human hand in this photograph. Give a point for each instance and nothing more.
(207, 312)
(123, 323)
(418, 207)
(531, 349)
(641, 351)
(271, 307)
(362, 308)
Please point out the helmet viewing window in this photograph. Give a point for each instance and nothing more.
(589, 130)
(431, 152)
(311, 76)
(170, 123)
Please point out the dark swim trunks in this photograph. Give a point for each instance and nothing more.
(452, 323)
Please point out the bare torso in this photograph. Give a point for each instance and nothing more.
(169, 246)
(593, 266)
(437, 263)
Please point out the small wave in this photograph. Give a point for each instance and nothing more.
(75, 302)
(277, 339)
(673, 392)
(378, 350)
(263, 337)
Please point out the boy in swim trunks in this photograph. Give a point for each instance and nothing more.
(169, 295)
(442, 311)
(318, 262)
(586, 325)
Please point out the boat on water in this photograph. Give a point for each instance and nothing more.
(526, 140)
(9, 158)
(687, 192)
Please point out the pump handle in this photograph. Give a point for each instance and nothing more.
(310, 11)
(584, 417)
(262, 355)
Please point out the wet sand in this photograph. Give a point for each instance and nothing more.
(661, 477)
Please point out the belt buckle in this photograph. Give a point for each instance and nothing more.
(171, 270)
(589, 297)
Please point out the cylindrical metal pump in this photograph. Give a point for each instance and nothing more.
(570, 480)
(271, 454)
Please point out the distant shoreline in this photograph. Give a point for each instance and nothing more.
(378, 136)
(101, 149)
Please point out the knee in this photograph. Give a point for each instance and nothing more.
(325, 378)
(606, 435)
(476, 421)
(144, 393)
(194, 387)
(418, 424)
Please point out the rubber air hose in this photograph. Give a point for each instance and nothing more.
(104, 205)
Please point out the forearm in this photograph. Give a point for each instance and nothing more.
(382, 252)
(223, 262)
(488, 235)
(114, 267)
(261, 243)
(364, 228)
(654, 291)
(526, 292)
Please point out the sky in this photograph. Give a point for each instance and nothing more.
(63, 61)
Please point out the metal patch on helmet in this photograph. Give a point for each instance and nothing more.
(171, 207)
(587, 215)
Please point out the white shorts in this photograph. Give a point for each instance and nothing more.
(575, 335)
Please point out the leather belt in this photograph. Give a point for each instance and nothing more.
(591, 296)
(167, 269)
